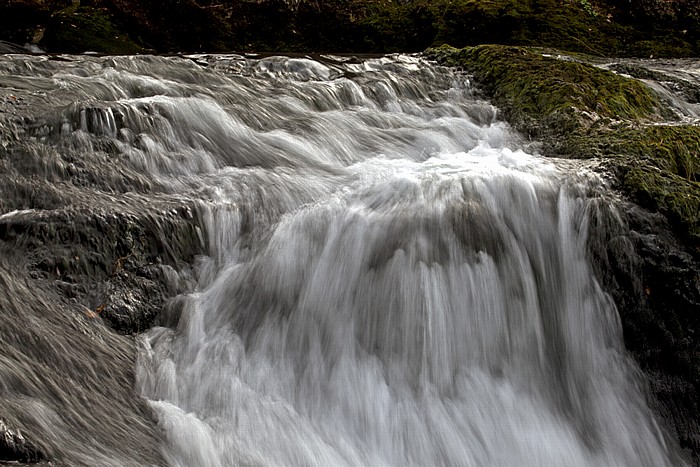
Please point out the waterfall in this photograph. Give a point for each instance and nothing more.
(390, 278)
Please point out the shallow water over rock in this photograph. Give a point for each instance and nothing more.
(353, 262)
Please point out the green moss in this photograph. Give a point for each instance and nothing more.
(673, 195)
(672, 148)
(86, 29)
(581, 111)
(659, 168)
(541, 95)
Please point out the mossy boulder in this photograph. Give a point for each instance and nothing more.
(663, 191)
(542, 95)
(582, 111)
(658, 166)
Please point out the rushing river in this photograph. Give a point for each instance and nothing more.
(390, 278)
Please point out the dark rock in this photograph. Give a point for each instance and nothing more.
(10, 48)
(15, 447)
(66, 380)
(655, 284)
(117, 258)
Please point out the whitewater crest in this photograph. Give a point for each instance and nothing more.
(393, 282)
(390, 278)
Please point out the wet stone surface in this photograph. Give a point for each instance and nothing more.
(107, 207)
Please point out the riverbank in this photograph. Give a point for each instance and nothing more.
(601, 27)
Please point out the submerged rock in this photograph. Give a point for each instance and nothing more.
(66, 380)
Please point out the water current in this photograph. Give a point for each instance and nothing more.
(391, 277)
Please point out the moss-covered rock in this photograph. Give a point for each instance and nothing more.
(661, 190)
(542, 95)
(658, 166)
(86, 29)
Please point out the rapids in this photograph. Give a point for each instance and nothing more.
(391, 276)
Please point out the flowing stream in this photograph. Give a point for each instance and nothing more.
(390, 278)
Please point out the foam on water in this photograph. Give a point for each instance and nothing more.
(420, 296)
(391, 278)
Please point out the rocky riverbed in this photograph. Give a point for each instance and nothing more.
(93, 249)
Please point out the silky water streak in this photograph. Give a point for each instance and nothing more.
(391, 279)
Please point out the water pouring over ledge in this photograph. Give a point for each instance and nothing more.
(390, 278)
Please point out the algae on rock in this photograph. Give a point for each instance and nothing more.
(579, 110)
(542, 95)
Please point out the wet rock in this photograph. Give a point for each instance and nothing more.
(655, 284)
(66, 380)
(88, 225)
(15, 447)
(112, 262)
(10, 48)
(133, 302)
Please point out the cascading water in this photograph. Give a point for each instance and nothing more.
(677, 82)
(416, 293)
(390, 278)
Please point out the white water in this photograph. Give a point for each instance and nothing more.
(391, 280)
